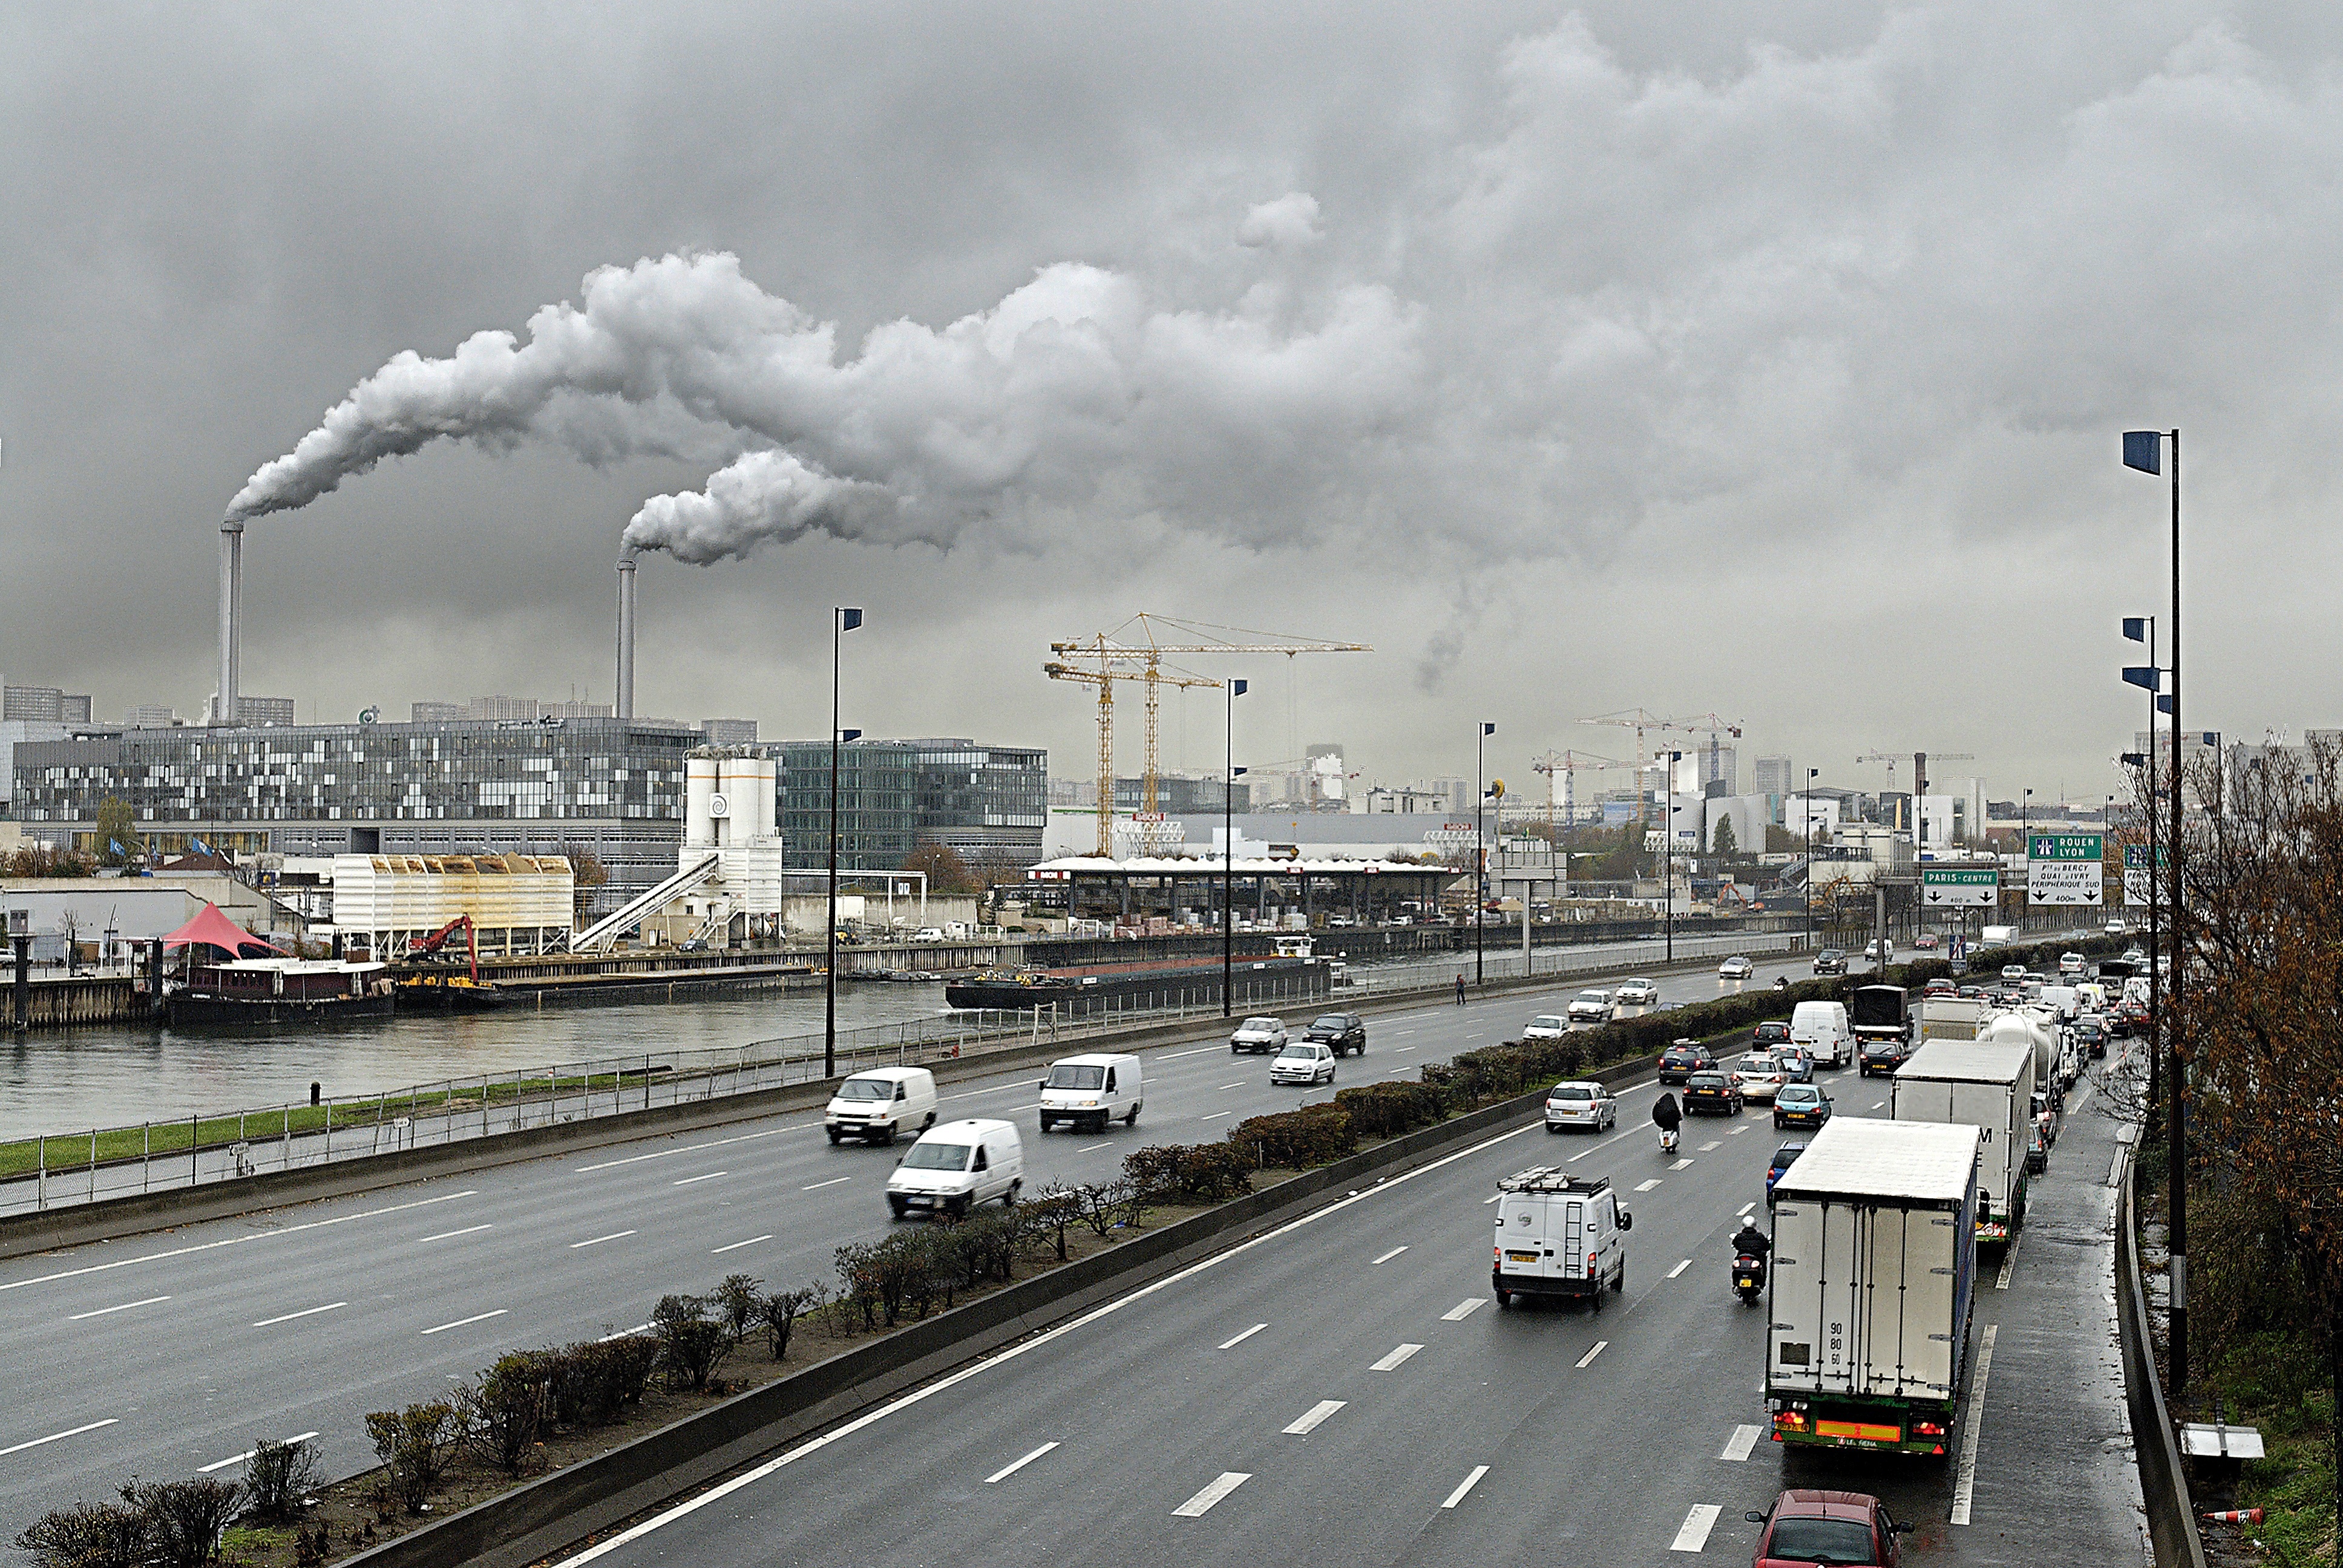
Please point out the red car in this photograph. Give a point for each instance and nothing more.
(1843, 1529)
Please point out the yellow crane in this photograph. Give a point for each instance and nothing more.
(1129, 654)
(1567, 764)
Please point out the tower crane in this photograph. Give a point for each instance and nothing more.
(1565, 764)
(1125, 653)
(1638, 720)
(1712, 726)
(1919, 772)
(1108, 672)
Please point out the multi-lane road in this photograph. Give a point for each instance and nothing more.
(169, 1352)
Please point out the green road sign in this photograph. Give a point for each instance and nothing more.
(2066, 846)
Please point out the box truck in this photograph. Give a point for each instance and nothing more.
(1875, 1261)
(1951, 1017)
(1988, 1086)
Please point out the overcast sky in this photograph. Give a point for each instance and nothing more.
(1577, 359)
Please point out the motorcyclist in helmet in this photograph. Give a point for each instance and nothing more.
(1751, 1242)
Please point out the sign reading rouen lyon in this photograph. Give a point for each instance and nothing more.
(2066, 868)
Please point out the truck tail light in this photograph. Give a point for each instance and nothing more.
(1927, 1429)
(1789, 1421)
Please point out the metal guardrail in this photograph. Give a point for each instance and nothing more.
(2171, 1521)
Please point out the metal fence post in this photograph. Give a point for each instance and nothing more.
(93, 1164)
(146, 1153)
(195, 1140)
(329, 1129)
(41, 1182)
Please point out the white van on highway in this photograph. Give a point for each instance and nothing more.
(878, 1104)
(1821, 1029)
(955, 1167)
(1559, 1235)
(1088, 1092)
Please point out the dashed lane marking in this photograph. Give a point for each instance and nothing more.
(1391, 1362)
(711, 1143)
(1588, 1359)
(1965, 1486)
(54, 1436)
(1736, 1132)
(1394, 1253)
(1465, 1486)
(1681, 1164)
(1231, 1345)
(598, 1240)
(1215, 1116)
(451, 1235)
(817, 1186)
(124, 1307)
(736, 1246)
(304, 1313)
(1013, 1466)
(1094, 1148)
(248, 1454)
(1461, 1311)
(1745, 1208)
(711, 1176)
(476, 1318)
(2008, 1264)
(1744, 1438)
(1647, 1186)
(1196, 1507)
(1693, 1535)
(1680, 1267)
(1309, 1419)
(234, 1240)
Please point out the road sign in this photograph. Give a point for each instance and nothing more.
(2066, 868)
(1955, 886)
(2138, 887)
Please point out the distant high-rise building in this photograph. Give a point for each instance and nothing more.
(1770, 775)
(149, 716)
(251, 711)
(52, 703)
(729, 731)
(1181, 795)
(1715, 764)
(434, 712)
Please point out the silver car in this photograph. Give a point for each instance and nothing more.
(1735, 968)
(1302, 1061)
(1589, 1006)
(1636, 992)
(1580, 1104)
(1257, 1034)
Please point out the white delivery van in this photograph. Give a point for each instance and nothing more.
(1559, 1235)
(1821, 1027)
(956, 1166)
(1088, 1092)
(880, 1104)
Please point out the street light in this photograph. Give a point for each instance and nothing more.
(1668, 857)
(1480, 854)
(1236, 689)
(2141, 450)
(843, 619)
(1806, 809)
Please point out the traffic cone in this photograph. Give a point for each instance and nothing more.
(2235, 1516)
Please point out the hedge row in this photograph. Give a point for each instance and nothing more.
(1297, 1139)
(1188, 1172)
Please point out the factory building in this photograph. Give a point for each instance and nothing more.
(517, 903)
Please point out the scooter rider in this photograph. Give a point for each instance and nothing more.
(1750, 1242)
(1667, 1117)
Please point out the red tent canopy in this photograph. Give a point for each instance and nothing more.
(216, 930)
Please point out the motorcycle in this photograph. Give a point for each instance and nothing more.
(1667, 1140)
(1749, 1278)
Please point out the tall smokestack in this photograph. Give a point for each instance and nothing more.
(626, 705)
(231, 630)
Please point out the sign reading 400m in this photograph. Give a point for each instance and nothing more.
(2066, 868)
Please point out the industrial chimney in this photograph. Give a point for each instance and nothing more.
(626, 703)
(231, 615)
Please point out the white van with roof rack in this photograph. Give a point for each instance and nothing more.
(1559, 1235)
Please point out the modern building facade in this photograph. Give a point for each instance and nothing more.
(43, 704)
(1178, 795)
(987, 803)
(878, 804)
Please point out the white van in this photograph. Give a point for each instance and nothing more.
(1559, 1235)
(878, 1104)
(955, 1167)
(1821, 1029)
(1092, 1089)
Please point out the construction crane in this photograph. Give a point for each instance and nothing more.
(1919, 773)
(1124, 653)
(1104, 677)
(1639, 720)
(1708, 724)
(1567, 764)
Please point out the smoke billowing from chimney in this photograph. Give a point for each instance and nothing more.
(1077, 385)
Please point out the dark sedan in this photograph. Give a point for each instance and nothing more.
(1679, 1063)
(1344, 1033)
(1883, 1057)
(1711, 1093)
(1772, 1033)
(1830, 961)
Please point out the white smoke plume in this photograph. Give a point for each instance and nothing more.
(1075, 384)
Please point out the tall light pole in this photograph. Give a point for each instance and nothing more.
(2142, 628)
(1236, 689)
(1668, 857)
(1806, 809)
(1480, 853)
(843, 619)
(2141, 450)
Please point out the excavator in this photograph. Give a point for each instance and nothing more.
(424, 981)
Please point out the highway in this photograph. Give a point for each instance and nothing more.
(166, 1353)
(1344, 1392)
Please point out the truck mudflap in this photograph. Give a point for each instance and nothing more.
(1923, 1427)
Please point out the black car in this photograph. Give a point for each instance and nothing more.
(1345, 1033)
(1883, 1057)
(1784, 1158)
(1679, 1063)
(1709, 1092)
(1830, 961)
(1767, 1035)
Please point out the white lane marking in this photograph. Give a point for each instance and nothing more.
(1231, 1345)
(124, 1307)
(1387, 1257)
(1049, 1336)
(1461, 1311)
(76, 1432)
(736, 1246)
(1492, 1198)
(815, 1188)
(1736, 1132)
(1680, 1267)
(1588, 1359)
(720, 1142)
(233, 1241)
(1712, 1143)
(1391, 1362)
(1681, 1163)
(2008, 1264)
(1472, 1037)
(598, 1240)
(1093, 1147)
(1215, 1116)
(1196, 1507)
(477, 1317)
(1240, 1083)
(1402, 1050)
(1745, 1208)
(1309, 1419)
(1744, 1438)
(1013, 1466)
(1176, 1055)
(712, 1175)
(1965, 1486)
(451, 1235)
(640, 1328)
(304, 1313)
(1466, 1485)
(1877, 1103)
(248, 1454)
(1647, 1186)
(1693, 1535)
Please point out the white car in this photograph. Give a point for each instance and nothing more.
(1735, 968)
(1546, 1026)
(1580, 1104)
(1759, 1076)
(1636, 993)
(2070, 963)
(1302, 1061)
(1257, 1034)
(1589, 1006)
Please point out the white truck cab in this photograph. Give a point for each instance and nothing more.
(1559, 1235)
(1088, 1092)
(878, 1104)
(956, 1166)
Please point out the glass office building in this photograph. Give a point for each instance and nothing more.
(878, 807)
(987, 802)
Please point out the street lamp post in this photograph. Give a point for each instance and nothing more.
(1806, 809)
(2141, 450)
(1236, 689)
(843, 619)
(1668, 857)
(1480, 851)
(2142, 628)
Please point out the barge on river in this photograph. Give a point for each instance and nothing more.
(247, 992)
(1290, 972)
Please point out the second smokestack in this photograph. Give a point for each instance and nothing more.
(231, 615)
(626, 702)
